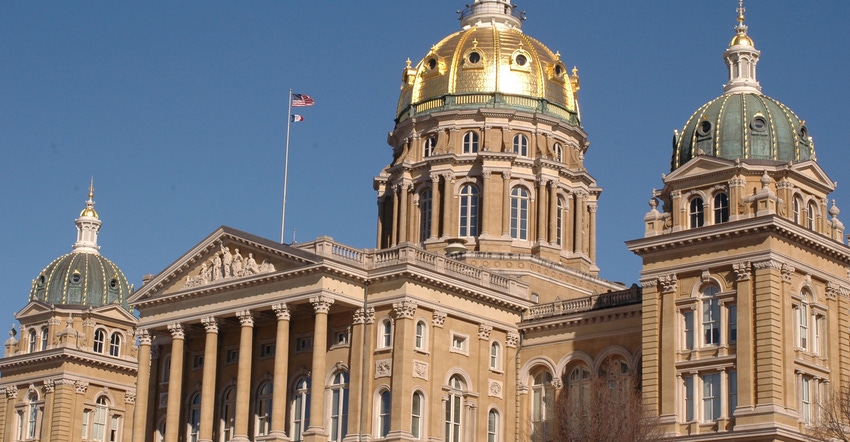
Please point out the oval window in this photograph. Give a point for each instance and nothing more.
(474, 57)
(432, 63)
(521, 60)
(75, 278)
(759, 123)
(558, 70)
(704, 127)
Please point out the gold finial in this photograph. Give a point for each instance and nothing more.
(408, 62)
(575, 71)
(91, 188)
(741, 10)
(557, 55)
(474, 42)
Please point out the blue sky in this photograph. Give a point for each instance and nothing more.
(178, 111)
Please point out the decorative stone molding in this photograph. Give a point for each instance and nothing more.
(438, 319)
(405, 309)
(557, 383)
(737, 182)
(144, 336)
(420, 369)
(246, 319)
(787, 272)
(321, 303)
(771, 264)
(223, 265)
(281, 310)
(484, 331)
(89, 322)
(383, 368)
(743, 270)
(130, 397)
(506, 175)
(668, 283)
(649, 283)
(676, 194)
(705, 276)
(176, 331)
(435, 177)
(49, 386)
(81, 386)
(512, 339)
(11, 392)
(485, 174)
(592, 207)
(364, 316)
(210, 324)
(833, 290)
(495, 388)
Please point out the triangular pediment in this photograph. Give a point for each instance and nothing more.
(701, 165)
(33, 308)
(224, 257)
(114, 311)
(812, 170)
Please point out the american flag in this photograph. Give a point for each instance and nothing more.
(301, 100)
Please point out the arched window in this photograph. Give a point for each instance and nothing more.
(115, 344)
(470, 142)
(44, 338)
(101, 413)
(811, 214)
(33, 338)
(541, 405)
(263, 409)
(803, 312)
(798, 209)
(493, 426)
(560, 216)
(31, 416)
(578, 389)
(495, 356)
(429, 145)
(697, 216)
(425, 215)
(300, 408)
(339, 406)
(99, 340)
(615, 371)
(454, 409)
(468, 211)
(228, 414)
(416, 415)
(519, 213)
(559, 152)
(193, 418)
(419, 340)
(384, 413)
(710, 315)
(385, 338)
(521, 145)
(721, 208)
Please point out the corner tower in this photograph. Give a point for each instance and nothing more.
(488, 149)
(744, 271)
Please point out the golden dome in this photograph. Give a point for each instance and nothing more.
(742, 39)
(489, 62)
(89, 210)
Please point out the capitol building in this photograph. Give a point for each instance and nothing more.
(481, 305)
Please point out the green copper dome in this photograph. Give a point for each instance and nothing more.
(83, 277)
(743, 123)
(743, 126)
(80, 278)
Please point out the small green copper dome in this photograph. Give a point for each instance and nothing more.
(78, 278)
(743, 126)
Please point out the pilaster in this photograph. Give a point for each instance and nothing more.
(208, 378)
(317, 432)
(140, 418)
(359, 369)
(281, 372)
(402, 369)
(175, 383)
(243, 378)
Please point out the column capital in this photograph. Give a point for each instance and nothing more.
(245, 318)
(405, 309)
(512, 339)
(321, 303)
(176, 330)
(364, 316)
(49, 385)
(210, 324)
(743, 270)
(81, 386)
(11, 392)
(506, 175)
(281, 310)
(144, 336)
(130, 396)
(484, 331)
(438, 319)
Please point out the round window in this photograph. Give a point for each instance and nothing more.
(521, 60)
(804, 133)
(474, 57)
(704, 127)
(558, 70)
(113, 283)
(75, 278)
(759, 123)
(432, 63)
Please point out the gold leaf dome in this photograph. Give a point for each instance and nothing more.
(490, 61)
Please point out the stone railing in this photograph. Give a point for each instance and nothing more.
(630, 296)
(488, 100)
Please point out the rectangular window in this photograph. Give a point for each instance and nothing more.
(231, 356)
(85, 425)
(689, 398)
(303, 343)
(806, 400)
(803, 323)
(267, 350)
(459, 343)
(711, 321)
(733, 324)
(733, 392)
(688, 331)
(341, 338)
(197, 361)
(711, 397)
(819, 336)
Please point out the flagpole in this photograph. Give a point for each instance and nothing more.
(286, 166)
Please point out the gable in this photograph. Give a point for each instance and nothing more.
(224, 257)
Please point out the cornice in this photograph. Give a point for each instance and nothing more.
(582, 318)
(68, 355)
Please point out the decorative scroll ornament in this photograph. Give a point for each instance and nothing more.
(833, 290)
(438, 319)
(495, 388)
(130, 396)
(770, 264)
(364, 316)
(668, 283)
(49, 386)
(176, 330)
(512, 339)
(405, 309)
(210, 324)
(787, 272)
(144, 336)
(743, 270)
(321, 303)
(281, 310)
(420, 369)
(246, 319)
(226, 265)
(484, 331)
(81, 386)
(383, 368)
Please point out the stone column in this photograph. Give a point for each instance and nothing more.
(403, 210)
(175, 383)
(143, 380)
(281, 372)
(435, 206)
(361, 343)
(506, 204)
(47, 412)
(449, 202)
(9, 421)
(402, 369)
(317, 432)
(243, 378)
(395, 216)
(486, 194)
(541, 211)
(553, 215)
(579, 223)
(591, 232)
(208, 380)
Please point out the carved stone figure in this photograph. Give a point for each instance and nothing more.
(228, 262)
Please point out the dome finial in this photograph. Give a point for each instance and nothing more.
(741, 58)
(88, 224)
(741, 10)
